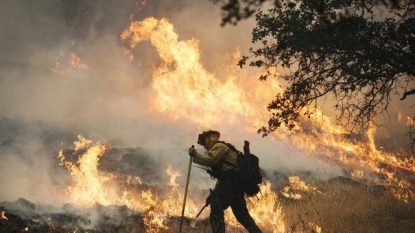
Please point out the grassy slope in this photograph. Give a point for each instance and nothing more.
(343, 205)
(337, 205)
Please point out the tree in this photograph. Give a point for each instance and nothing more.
(338, 48)
(235, 10)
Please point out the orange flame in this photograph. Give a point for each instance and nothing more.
(267, 211)
(3, 215)
(75, 62)
(402, 118)
(91, 187)
(295, 186)
(314, 227)
(182, 87)
(88, 187)
(66, 66)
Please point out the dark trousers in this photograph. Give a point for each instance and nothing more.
(227, 194)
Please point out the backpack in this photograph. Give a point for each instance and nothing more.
(247, 171)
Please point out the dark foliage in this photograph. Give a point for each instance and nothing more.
(237, 10)
(340, 49)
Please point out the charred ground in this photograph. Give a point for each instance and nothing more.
(339, 204)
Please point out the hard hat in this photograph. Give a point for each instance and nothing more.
(200, 139)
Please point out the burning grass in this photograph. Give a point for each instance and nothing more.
(119, 192)
(336, 205)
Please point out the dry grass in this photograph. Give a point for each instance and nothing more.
(346, 206)
(337, 205)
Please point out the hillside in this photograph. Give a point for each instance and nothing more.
(335, 205)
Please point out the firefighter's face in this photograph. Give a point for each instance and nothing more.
(208, 141)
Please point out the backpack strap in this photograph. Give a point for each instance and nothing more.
(230, 147)
(216, 171)
(223, 160)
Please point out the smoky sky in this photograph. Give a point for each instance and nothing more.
(110, 95)
(45, 101)
(38, 83)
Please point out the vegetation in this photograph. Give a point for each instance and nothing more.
(336, 205)
(343, 205)
(358, 53)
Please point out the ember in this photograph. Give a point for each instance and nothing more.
(3, 215)
(296, 185)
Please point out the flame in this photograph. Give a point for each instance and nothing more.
(3, 215)
(66, 65)
(75, 62)
(183, 88)
(402, 193)
(295, 186)
(359, 157)
(173, 176)
(90, 187)
(265, 210)
(138, 179)
(403, 118)
(314, 227)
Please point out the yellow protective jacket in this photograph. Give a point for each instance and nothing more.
(215, 155)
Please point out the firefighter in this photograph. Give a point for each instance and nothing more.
(227, 192)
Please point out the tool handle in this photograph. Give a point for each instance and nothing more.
(201, 210)
(185, 193)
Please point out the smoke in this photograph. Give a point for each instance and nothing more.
(78, 81)
(27, 167)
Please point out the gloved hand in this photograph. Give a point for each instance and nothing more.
(192, 151)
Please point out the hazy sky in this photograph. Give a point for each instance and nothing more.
(79, 81)
(38, 82)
